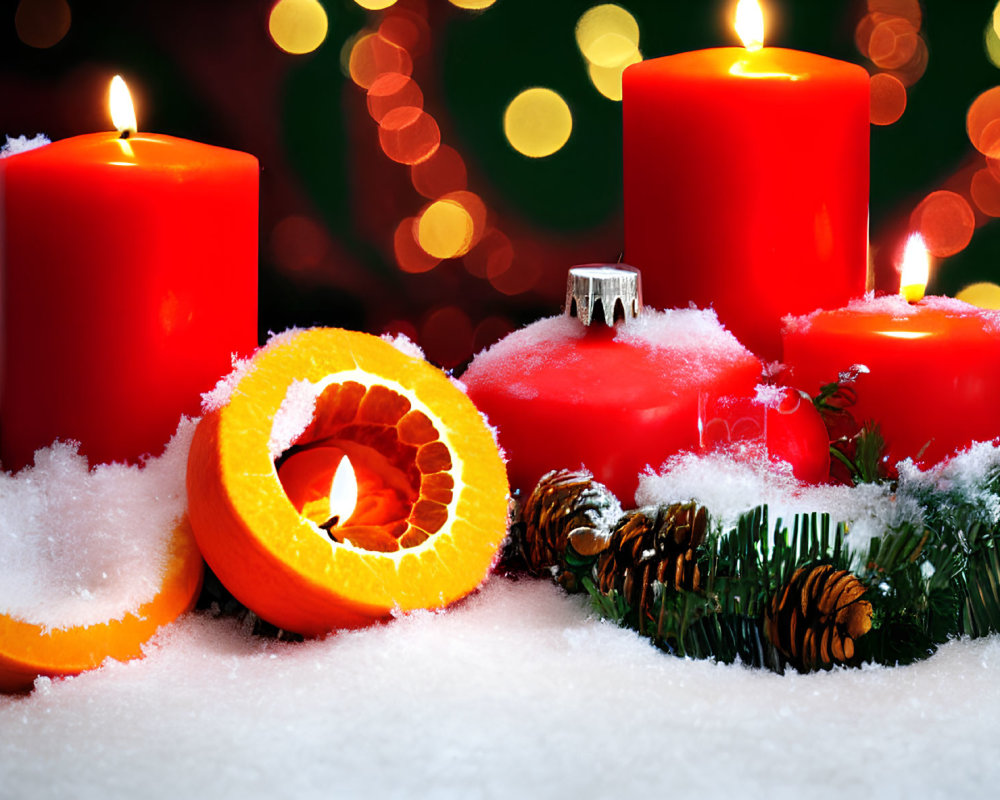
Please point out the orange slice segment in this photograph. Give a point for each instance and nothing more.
(432, 489)
(28, 651)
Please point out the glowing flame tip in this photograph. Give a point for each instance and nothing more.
(750, 24)
(343, 491)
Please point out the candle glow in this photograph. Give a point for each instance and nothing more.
(122, 110)
(750, 24)
(343, 492)
(915, 270)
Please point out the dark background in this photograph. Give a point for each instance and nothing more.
(209, 71)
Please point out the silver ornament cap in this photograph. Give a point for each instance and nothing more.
(606, 293)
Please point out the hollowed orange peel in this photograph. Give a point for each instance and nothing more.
(28, 650)
(432, 487)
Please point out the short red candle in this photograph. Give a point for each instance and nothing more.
(746, 179)
(611, 400)
(933, 374)
(129, 279)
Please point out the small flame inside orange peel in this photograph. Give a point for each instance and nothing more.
(432, 488)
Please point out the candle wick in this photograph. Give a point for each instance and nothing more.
(334, 520)
(125, 134)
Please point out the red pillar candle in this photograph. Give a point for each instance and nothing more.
(566, 392)
(746, 178)
(931, 374)
(129, 279)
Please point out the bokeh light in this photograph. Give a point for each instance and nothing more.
(446, 336)
(409, 135)
(946, 222)
(992, 41)
(537, 122)
(981, 122)
(491, 257)
(445, 229)
(42, 23)
(907, 9)
(893, 43)
(888, 98)
(299, 243)
(607, 35)
(410, 256)
(443, 172)
(298, 26)
(372, 55)
(983, 295)
(473, 5)
(490, 331)
(985, 191)
(608, 80)
(407, 29)
(374, 5)
(391, 90)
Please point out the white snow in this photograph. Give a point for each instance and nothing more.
(727, 487)
(517, 692)
(22, 144)
(79, 546)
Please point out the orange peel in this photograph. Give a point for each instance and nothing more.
(28, 651)
(432, 503)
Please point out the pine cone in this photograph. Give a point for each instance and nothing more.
(653, 547)
(562, 503)
(814, 619)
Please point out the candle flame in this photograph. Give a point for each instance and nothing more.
(750, 24)
(343, 492)
(122, 110)
(915, 270)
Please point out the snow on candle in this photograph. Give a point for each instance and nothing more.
(933, 365)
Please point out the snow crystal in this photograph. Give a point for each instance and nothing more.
(728, 487)
(79, 546)
(897, 307)
(518, 691)
(22, 144)
(405, 345)
(675, 329)
(525, 351)
(293, 416)
(218, 397)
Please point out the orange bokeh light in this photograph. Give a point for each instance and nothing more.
(391, 90)
(907, 9)
(410, 256)
(985, 191)
(299, 243)
(407, 29)
(476, 209)
(981, 122)
(373, 55)
(446, 336)
(946, 222)
(443, 172)
(888, 98)
(893, 43)
(409, 135)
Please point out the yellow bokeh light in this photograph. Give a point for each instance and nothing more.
(983, 295)
(374, 5)
(608, 80)
(298, 26)
(537, 122)
(445, 229)
(993, 41)
(473, 5)
(607, 35)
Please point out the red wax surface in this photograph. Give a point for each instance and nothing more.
(565, 396)
(934, 370)
(746, 184)
(129, 278)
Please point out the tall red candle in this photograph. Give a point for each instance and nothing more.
(129, 280)
(746, 184)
